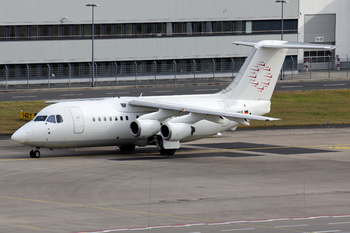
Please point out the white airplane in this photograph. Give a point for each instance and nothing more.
(164, 121)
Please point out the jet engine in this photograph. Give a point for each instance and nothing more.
(144, 128)
(176, 131)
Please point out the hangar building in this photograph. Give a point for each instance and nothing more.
(52, 38)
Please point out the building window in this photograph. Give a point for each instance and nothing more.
(118, 30)
(149, 29)
(128, 30)
(78, 31)
(160, 29)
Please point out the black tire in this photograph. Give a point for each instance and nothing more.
(127, 148)
(35, 154)
(162, 151)
(167, 151)
(170, 151)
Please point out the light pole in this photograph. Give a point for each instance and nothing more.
(282, 2)
(92, 49)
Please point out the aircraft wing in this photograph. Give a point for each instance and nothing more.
(193, 109)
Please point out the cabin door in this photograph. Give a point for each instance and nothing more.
(78, 120)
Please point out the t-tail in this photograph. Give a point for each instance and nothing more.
(256, 80)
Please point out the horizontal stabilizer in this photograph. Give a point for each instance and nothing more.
(285, 45)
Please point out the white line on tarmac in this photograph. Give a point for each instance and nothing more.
(333, 223)
(242, 229)
(291, 86)
(70, 94)
(117, 93)
(331, 85)
(207, 90)
(162, 91)
(28, 96)
(331, 231)
(303, 225)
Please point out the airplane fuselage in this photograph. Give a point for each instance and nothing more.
(106, 122)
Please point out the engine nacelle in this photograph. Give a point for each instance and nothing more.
(144, 128)
(176, 131)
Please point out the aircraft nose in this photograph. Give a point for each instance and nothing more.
(19, 136)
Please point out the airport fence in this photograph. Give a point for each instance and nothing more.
(135, 73)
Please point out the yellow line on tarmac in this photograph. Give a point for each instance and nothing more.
(102, 208)
(29, 227)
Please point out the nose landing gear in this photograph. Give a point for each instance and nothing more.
(35, 153)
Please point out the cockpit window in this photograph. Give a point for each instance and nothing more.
(40, 118)
(59, 118)
(51, 119)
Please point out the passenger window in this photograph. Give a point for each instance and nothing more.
(93, 119)
(127, 118)
(59, 119)
(116, 118)
(110, 118)
(51, 119)
(99, 118)
(40, 118)
(121, 118)
(105, 119)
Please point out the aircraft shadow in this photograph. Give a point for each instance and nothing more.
(265, 148)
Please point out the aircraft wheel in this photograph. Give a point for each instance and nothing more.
(170, 151)
(162, 151)
(167, 151)
(127, 148)
(34, 154)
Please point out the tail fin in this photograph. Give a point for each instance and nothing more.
(256, 80)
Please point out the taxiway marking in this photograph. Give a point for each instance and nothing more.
(291, 86)
(29, 227)
(207, 90)
(69, 94)
(331, 85)
(27, 96)
(162, 91)
(238, 223)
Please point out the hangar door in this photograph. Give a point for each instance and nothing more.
(78, 120)
(320, 28)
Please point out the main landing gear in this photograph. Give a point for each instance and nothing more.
(157, 140)
(35, 153)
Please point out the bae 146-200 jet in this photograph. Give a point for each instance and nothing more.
(163, 121)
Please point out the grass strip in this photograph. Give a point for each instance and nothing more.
(294, 108)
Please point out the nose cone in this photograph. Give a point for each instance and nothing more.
(19, 136)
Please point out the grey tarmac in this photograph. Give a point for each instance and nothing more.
(255, 180)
